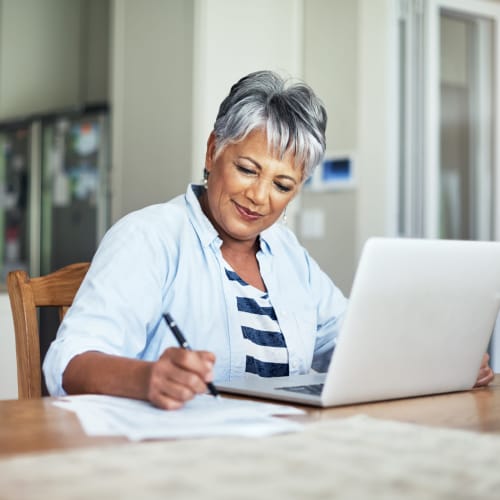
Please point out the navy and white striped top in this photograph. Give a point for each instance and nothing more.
(265, 346)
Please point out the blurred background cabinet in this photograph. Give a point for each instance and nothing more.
(54, 132)
(54, 189)
(54, 144)
(15, 143)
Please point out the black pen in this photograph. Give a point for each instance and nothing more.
(184, 344)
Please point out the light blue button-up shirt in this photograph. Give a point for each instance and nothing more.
(167, 258)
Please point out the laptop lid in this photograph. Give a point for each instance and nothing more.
(419, 319)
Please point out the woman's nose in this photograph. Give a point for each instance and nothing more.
(258, 191)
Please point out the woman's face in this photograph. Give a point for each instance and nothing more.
(248, 188)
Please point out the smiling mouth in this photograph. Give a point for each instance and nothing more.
(246, 213)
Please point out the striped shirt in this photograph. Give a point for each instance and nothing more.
(265, 346)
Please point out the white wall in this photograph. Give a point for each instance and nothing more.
(8, 370)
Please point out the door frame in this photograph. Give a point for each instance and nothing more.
(480, 8)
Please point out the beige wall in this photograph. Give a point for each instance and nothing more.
(172, 63)
(233, 38)
(331, 68)
(95, 61)
(53, 55)
(151, 93)
(377, 97)
(39, 56)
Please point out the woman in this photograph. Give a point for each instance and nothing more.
(237, 282)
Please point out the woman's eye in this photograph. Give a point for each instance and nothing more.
(245, 170)
(282, 187)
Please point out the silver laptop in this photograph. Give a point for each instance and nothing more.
(419, 320)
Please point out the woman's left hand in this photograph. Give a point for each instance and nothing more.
(485, 375)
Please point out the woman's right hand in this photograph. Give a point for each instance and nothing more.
(178, 376)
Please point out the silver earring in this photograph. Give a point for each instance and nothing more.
(283, 216)
(205, 178)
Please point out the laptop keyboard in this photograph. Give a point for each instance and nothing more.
(313, 389)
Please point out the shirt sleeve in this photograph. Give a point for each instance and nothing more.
(116, 304)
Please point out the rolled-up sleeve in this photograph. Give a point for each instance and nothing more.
(115, 305)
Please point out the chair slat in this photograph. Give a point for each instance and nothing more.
(26, 295)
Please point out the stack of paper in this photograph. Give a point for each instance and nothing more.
(203, 416)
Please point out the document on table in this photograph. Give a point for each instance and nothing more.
(201, 417)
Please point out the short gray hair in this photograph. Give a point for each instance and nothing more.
(292, 115)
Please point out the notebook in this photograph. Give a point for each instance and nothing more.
(419, 319)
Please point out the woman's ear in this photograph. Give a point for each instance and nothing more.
(210, 154)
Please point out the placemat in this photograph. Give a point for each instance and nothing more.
(353, 458)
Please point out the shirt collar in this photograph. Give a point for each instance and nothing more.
(206, 231)
(266, 240)
(202, 225)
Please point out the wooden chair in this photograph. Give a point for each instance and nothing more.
(26, 295)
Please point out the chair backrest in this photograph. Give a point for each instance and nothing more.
(26, 295)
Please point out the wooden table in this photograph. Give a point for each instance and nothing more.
(37, 425)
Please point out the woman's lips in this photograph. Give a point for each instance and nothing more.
(246, 213)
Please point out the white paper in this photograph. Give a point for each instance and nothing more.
(202, 416)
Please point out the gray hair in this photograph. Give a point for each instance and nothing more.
(292, 115)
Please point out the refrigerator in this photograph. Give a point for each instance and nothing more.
(54, 194)
(75, 187)
(15, 145)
